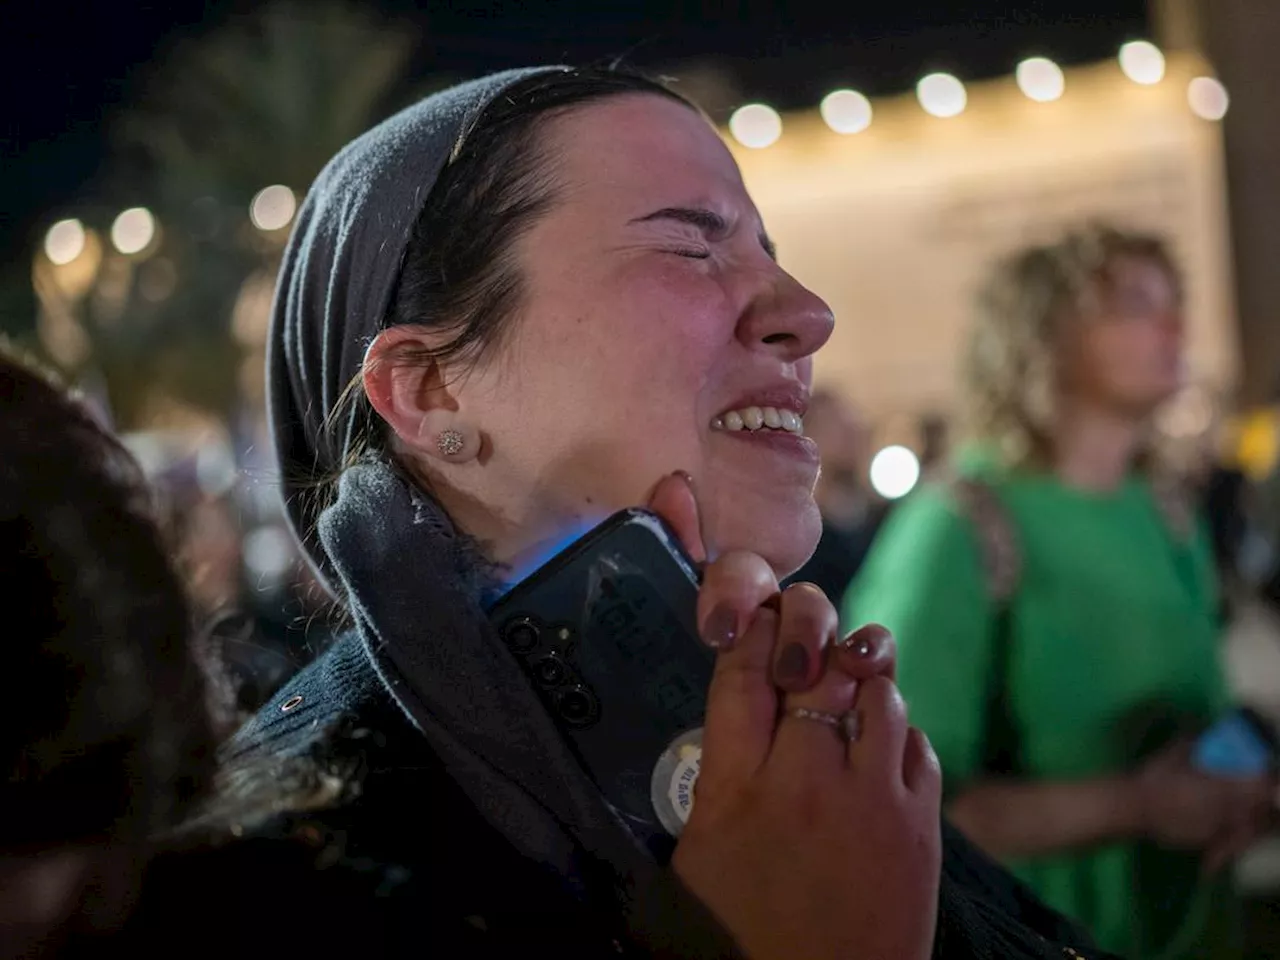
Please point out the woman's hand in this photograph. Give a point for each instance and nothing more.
(738, 583)
(806, 843)
(1182, 807)
(803, 840)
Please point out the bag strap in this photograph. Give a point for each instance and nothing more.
(1177, 508)
(1175, 504)
(1002, 564)
(997, 536)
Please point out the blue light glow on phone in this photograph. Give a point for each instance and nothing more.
(1231, 747)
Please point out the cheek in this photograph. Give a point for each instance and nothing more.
(1130, 361)
(605, 396)
(676, 310)
(1106, 353)
(1142, 350)
(651, 340)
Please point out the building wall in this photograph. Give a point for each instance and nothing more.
(896, 225)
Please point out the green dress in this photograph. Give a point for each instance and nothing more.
(1107, 649)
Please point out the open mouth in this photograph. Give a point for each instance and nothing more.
(754, 419)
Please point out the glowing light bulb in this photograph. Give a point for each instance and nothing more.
(942, 95)
(846, 111)
(1142, 62)
(64, 242)
(133, 230)
(1041, 79)
(273, 207)
(756, 125)
(894, 472)
(1208, 98)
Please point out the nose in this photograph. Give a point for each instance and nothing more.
(786, 318)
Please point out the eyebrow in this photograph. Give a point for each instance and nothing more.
(708, 221)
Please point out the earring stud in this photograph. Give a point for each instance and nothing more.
(450, 442)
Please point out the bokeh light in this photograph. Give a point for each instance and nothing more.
(1040, 79)
(157, 279)
(846, 111)
(1142, 62)
(273, 207)
(133, 230)
(942, 95)
(64, 242)
(756, 125)
(1208, 98)
(268, 554)
(895, 471)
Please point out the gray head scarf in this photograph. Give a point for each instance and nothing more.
(426, 636)
(337, 279)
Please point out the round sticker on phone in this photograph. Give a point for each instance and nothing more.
(674, 777)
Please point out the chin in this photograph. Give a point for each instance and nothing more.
(784, 538)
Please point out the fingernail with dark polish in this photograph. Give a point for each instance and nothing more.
(792, 665)
(721, 628)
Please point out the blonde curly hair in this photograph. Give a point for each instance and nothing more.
(1010, 370)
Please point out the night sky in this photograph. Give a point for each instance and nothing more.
(64, 66)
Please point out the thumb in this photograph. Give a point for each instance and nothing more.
(674, 501)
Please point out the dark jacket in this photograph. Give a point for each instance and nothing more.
(467, 888)
(400, 816)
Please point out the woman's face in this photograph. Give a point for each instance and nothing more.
(655, 332)
(1128, 356)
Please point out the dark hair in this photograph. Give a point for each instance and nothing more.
(103, 730)
(459, 274)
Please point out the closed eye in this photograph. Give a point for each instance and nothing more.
(711, 224)
(693, 253)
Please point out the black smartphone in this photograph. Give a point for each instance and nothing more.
(607, 632)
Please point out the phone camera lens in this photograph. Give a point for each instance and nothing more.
(550, 671)
(578, 706)
(521, 634)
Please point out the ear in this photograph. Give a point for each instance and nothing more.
(409, 392)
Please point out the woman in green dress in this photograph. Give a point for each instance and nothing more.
(1056, 611)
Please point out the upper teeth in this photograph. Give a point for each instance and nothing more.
(753, 418)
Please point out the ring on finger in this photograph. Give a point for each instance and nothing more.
(861, 647)
(846, 724)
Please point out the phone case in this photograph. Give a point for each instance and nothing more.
(607, 633)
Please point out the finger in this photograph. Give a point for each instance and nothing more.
(1227, 849)
(921, 772)
(806, 629)
(742, 708)
(811, 737)
(1252, 794)
(1251, 805)
(882, 727)
(673, 499)
(734, 586)
(869, 651)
